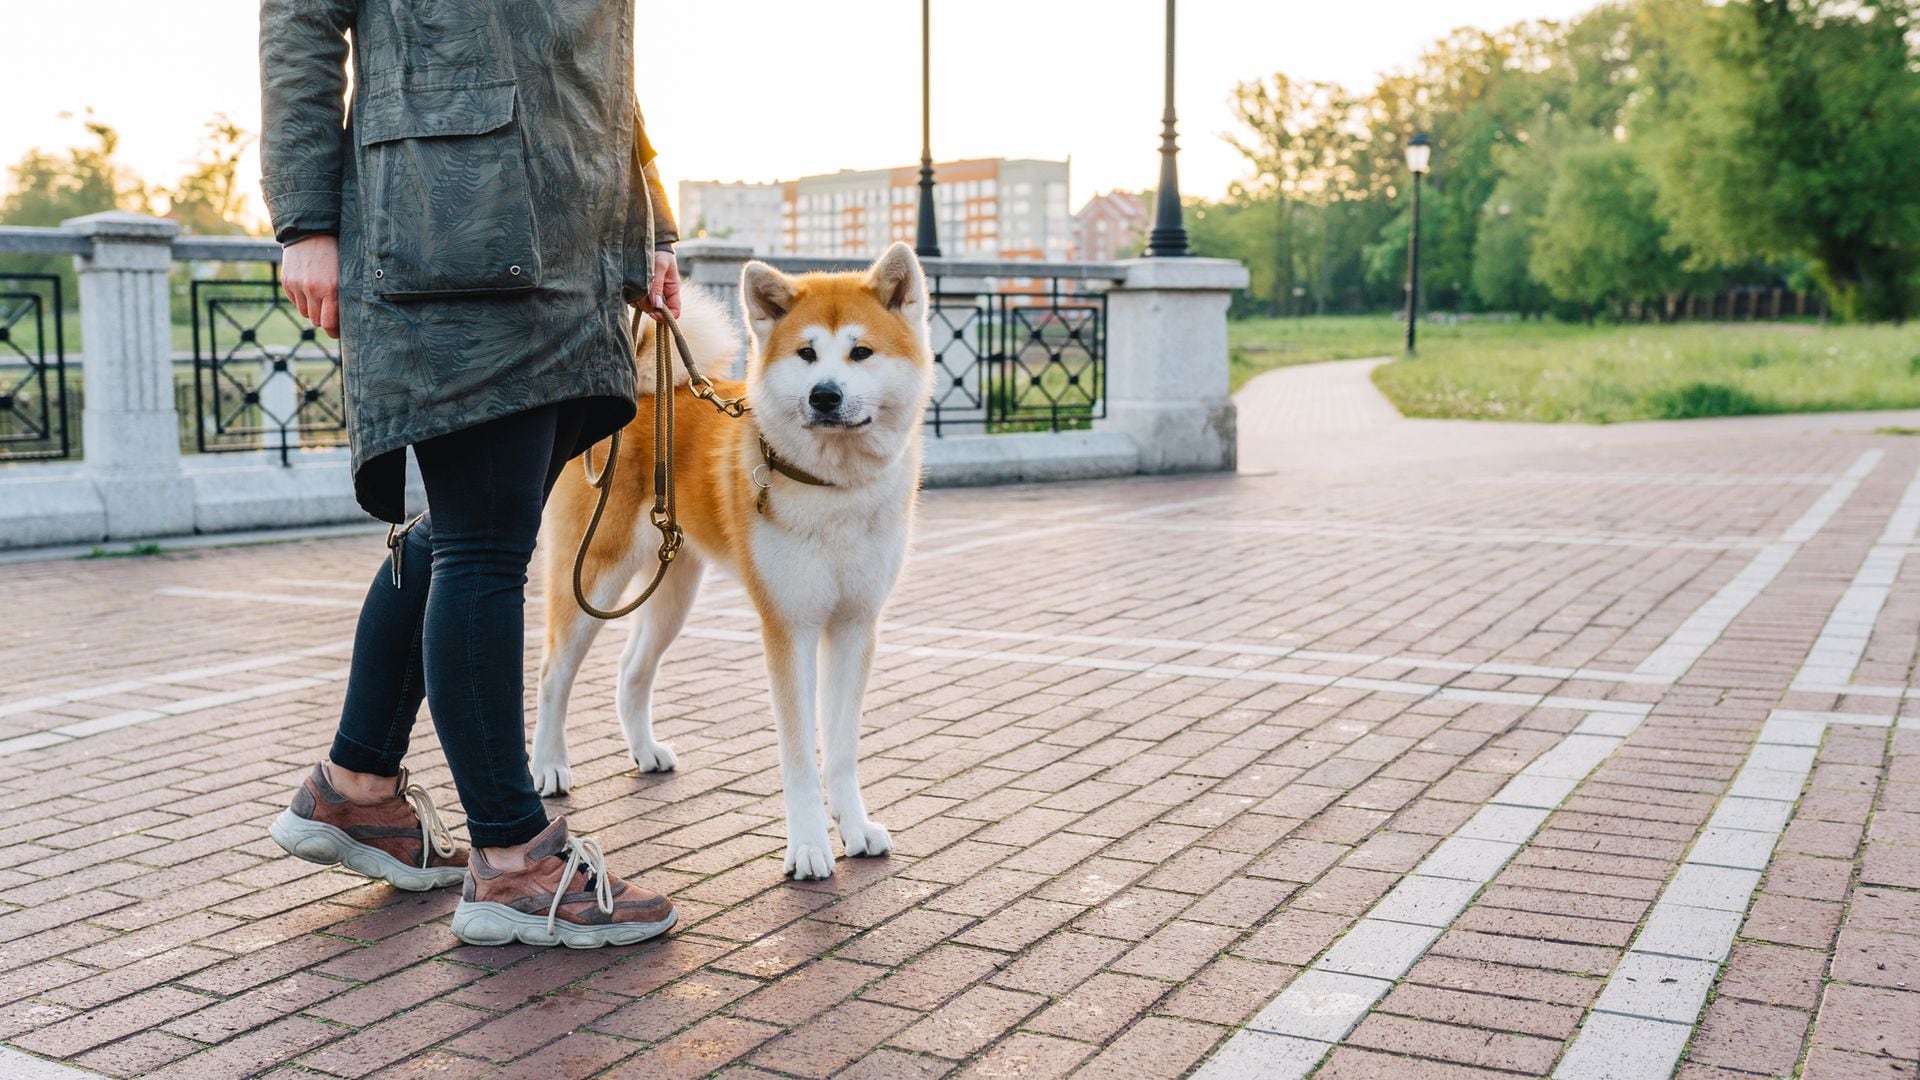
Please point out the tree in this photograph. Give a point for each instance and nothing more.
(208, 199)
(1797, 140)
(1600, 241)
(47, 189)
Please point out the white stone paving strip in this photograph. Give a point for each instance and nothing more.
(1647, 1010)
(1289, 1037)
(15, 1065)
(1829, 667)
(1687, 644)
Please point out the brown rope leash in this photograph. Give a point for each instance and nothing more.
(664, 514)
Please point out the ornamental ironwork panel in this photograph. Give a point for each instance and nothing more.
(1025, 355)
(33, 369)
(263, 377)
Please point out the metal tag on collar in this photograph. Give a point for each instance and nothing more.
(762, 477)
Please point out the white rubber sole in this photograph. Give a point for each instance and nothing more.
(482, 922)
(318, 842)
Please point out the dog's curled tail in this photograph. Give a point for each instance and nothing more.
(710, 332)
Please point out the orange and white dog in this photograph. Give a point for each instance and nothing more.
(838, 375)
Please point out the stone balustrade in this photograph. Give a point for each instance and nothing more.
(1167, 406)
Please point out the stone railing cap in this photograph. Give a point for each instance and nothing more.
(124, 224)
(709, 247)
(1185, 273)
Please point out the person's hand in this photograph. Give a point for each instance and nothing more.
(663, 294)
(310, 276)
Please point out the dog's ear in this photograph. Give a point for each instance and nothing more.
(897, 281)
(767, 296)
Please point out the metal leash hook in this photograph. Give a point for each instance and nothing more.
(397, 545)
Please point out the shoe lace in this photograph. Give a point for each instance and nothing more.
(582, 850)
(435, 838)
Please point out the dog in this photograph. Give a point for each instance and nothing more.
(838, 375)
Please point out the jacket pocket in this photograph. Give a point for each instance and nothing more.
(448, 206)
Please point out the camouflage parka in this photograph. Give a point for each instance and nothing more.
(493, 199)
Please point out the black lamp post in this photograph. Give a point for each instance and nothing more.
(1169, 236)
(926, 241)
(1419, 153)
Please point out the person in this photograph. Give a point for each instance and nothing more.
(472, 231)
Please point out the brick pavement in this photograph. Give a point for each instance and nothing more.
(1416, 750)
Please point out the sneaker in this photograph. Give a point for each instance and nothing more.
(398, 839)
(564, 897)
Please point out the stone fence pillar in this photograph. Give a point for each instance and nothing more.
(715, 265)
(1167, 366)
(132, 431)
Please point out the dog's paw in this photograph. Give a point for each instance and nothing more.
(865, 839)
(655, 757)
(809, 860)
(551, 779)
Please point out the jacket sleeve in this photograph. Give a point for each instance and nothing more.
(303, 84)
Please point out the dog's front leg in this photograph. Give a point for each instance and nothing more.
(849, 662)
(792, 662)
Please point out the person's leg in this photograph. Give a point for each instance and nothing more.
(487, 486)
(386, 683)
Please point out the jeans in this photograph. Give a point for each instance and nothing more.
(453, 632)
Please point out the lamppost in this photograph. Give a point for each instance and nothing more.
(1419, 152)
(926, 243)
(1169, 236)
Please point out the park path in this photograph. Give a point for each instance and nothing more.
(1418, 749)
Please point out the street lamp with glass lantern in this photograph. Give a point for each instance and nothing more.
(1419, 156)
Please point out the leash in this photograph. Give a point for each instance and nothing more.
(665, 509)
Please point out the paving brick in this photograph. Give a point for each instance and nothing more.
(1154, 1048)
(1789, 921)
(969, 1022)
(829, 1042)
(1750, 1037)
(1540, 1018)
(935, 977)
(1869, 1020)
(1020, 1055)
(508, 1037)
(1464, 1046)
(699, 1051)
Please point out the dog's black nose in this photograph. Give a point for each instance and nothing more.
(825, 397)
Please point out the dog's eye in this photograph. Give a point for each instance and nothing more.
(809, 355)
(860, 352)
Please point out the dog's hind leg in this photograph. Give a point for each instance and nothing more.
(847, 656)
(659, 622)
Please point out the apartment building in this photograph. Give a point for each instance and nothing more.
(991, 208)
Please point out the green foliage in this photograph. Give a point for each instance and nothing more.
(1599, 242)
(208, 199)
(1797, 139)
(1612, 163)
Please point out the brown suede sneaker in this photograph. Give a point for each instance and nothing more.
(398, 839)
(547, 904)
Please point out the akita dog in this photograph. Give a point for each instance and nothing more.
(807, 500)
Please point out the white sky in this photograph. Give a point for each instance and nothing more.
(772, 89)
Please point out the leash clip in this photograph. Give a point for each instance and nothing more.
(397, 545)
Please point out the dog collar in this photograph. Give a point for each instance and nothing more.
(771, 462)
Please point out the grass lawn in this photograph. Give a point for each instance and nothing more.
(1560, 372)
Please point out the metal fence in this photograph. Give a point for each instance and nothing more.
(1025, 355)
(263, 377)
(33, 369)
